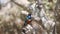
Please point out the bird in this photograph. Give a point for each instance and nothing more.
(28, 20)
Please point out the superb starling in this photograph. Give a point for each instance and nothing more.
(28, 20)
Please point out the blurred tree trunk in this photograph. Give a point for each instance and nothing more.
(57, 10)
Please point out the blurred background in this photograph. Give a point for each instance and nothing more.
(45, 16)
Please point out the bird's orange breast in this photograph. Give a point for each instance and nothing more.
(29, 21)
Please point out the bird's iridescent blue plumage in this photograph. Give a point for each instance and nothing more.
(29, 16)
